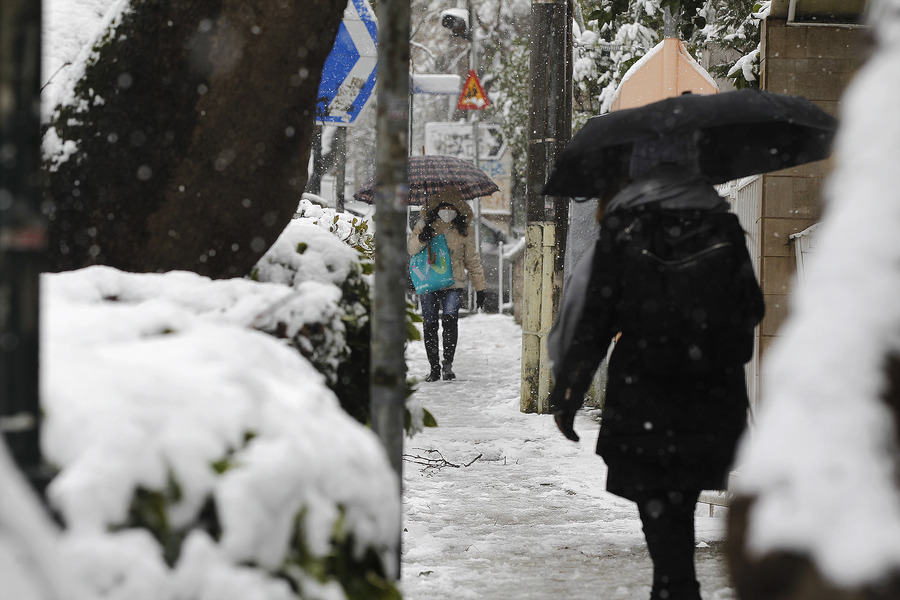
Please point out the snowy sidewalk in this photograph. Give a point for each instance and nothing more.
(522, 513)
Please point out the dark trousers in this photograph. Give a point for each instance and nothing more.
(668, 523)
(443, 305)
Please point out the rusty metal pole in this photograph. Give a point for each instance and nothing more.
(388, 383)
(23, 233)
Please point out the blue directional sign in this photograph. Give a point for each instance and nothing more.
(348, 79)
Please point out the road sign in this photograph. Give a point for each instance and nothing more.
(348, 79)
(434, 85)
(455, 139)
(472, 96)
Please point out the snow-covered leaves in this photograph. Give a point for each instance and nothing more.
(192, 447)
(330, 251)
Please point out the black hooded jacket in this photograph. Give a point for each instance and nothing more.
(660, 429)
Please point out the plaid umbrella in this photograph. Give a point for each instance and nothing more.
(428, 174)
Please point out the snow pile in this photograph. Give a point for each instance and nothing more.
(199, 457)
(329, 251)
(30, 568)
(327, 248)
(826, 441)
(319, 244)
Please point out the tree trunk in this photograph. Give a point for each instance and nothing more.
(194, 127)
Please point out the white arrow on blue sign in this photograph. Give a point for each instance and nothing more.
(348, 79)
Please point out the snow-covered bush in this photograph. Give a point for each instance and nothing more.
(200, 458)
(325, 248)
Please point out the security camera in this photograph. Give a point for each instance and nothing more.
(456, 20)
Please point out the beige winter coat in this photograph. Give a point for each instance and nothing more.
(464, 255)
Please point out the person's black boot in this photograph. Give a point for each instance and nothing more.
(434, 375)
(450, 325)
(447, 371)
(430, 337)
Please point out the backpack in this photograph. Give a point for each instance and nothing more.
(689, 298)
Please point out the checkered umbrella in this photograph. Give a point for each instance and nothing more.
(428, 174)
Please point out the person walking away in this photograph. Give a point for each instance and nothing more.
(447, 213)
(671, 273)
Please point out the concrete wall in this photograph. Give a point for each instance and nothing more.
(816, 62)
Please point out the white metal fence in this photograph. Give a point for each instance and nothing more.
(745, 196)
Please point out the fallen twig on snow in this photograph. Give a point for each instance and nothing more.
(430, 462)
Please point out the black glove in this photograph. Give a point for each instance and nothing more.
(427, 233)
(479, 299)
(565, 421)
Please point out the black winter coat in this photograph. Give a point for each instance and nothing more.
(659, 430)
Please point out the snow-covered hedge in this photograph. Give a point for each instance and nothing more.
(199, 457)
(322, 247)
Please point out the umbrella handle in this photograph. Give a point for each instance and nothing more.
(431, 255)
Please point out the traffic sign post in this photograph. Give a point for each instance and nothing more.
(473, 97)
(348, 77)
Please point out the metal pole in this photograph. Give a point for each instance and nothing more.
(412, 106)
(500, 278)
(549, 130)
(473, 66)
(314, 184)
(388, 377)
(23, 233)
(340, 170)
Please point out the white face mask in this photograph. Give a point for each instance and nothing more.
(447, 214)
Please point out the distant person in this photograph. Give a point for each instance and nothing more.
(446, 213)
(671, 273)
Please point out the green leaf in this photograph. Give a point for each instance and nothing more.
(301, 247)
(220, 466)
(412, 332)
(428, 419)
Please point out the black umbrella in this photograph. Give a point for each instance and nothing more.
(746, 132)
(428, 174)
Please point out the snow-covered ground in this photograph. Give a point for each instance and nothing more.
(529, 517)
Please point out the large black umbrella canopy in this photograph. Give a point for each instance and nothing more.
(745, 132)
(428, 174)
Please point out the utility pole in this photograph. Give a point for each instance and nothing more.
(550, 125)
(23, 233)
(388, 378)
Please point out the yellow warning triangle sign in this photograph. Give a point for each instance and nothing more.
(472, 96)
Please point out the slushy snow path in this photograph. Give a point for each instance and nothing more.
(529, 517)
